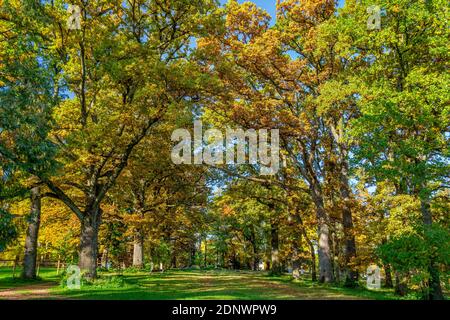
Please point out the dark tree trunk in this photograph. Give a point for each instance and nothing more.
(351, 274)
(297, 249)
(192, 255)
(174, 261)
(313, 263)
(274, 245)
(206, 252)
(400, 286)
(296, 263)
(31, 240)
(138, 250)
(89, 243)
(255, 251)
(388, 281)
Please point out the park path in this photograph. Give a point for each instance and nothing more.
(30, 292)
(274, 288)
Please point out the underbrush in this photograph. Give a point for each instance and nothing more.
(103, 282)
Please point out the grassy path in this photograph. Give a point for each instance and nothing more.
(183, 285)
(215, 285)
(30, 292)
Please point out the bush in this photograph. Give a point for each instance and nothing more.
(411, 254)
(8, 231)
(104, 282)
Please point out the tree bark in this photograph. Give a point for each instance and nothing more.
(313, 264)
(325, 259)
(31, 240)
(138, 251)
(351, 274)
(388, 280)
(296, 263)
(255, 250)
(400, 286)
(297, 249)
(311, 246)
(174, 261)
(89, 243)
(206, 252)
(192, 255)
(275, 267)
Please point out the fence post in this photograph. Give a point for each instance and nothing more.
(38, 267)
(57, 268)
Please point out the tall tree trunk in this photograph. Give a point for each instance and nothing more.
(296, 262)
(313, 263)
(89, 243)
(297, 249)
(192, 255)
(434, 283)
(351, 274)
(31, 240)
(388, 280)
(138, 250)
(206, 252)
(335, 254)
(174, 260)
(255, 250)
(400, 285)
(388, 283)
(325, 259)
(311, 246)
(274, 245)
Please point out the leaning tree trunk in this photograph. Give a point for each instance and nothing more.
(138, 251)
(89, 243)
(31, 240)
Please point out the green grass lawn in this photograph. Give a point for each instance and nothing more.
(192, 285)
(7, 281)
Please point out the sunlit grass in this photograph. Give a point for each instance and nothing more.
(8, 281)
(194, 285)
(218, 285)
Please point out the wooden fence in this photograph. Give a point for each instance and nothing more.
(14, 264)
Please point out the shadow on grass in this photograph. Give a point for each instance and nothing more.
(196, 284)
(227, 285)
